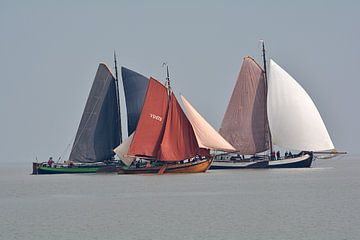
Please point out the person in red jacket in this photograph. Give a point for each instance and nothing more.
(50, 161)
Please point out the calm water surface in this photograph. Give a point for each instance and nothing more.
(322, 202)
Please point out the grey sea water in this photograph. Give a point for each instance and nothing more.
(322, 202)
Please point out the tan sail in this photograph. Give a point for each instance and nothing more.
(206, 135)
(122, 151)
(244, 124)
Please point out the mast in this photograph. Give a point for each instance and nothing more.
(264, 61)
(167, 81)
(266, 86)
(167, 77)
(117, 91)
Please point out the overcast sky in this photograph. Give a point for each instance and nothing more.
(50, 51)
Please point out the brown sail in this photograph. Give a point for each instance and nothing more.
(179, 140)
(245, 124)
(150, 128)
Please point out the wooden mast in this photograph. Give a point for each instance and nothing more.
(266, 87)
(167, 76)
(167, 83)
(117, 93)
(167, 79)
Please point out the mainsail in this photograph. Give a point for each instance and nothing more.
(179, 140)
(99, 131)
(206, 135)
(294, 120)
(135, 86)
(245, 124)
(150, 128)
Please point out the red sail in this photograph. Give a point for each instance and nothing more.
(150, 128)
(179, 141)
(204, 152)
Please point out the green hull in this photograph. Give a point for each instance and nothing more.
(63, 170)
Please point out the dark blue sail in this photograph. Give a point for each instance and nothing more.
(135, 86)
(99, 131)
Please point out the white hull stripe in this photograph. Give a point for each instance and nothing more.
(288, 160)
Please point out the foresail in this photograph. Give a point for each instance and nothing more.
(295, 123)
(135, 86)
(122, 151)
(99, 131)
(206, 135)
(245, 124)
(150, 128)
(179, 140)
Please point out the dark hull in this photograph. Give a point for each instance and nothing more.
(239, 165)
(303, 161)
(41, 168)
(109, 169)
(151, 170)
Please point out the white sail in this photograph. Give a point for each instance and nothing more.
(122, 150)
(206, 135)
(295, 123)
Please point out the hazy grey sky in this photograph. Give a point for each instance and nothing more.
(50, 50)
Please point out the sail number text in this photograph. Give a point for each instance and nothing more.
(156, 117)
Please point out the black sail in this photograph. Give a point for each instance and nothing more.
(135, 86)
(99, 131)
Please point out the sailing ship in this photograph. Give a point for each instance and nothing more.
(244, 124)
(294, 120)
(278, 111)
(165, 140)
(99, 130)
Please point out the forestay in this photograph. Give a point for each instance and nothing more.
(294, 120)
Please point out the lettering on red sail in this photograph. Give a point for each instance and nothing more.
(156, 117)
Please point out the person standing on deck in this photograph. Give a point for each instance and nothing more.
(50, 161)
(273, 155)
